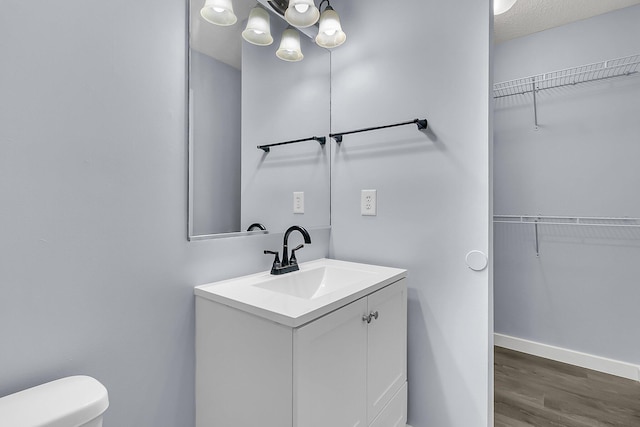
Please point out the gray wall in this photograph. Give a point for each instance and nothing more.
(283, 101)
(432, 187)
(581, 293)
(96, 274)
(215, 132)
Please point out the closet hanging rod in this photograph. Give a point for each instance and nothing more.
(568, 220)
(266, 148)
(422, 124)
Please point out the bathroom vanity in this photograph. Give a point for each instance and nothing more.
(323, 346)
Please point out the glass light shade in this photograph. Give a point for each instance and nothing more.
(258, 30)
(219, 12)
(330, 34)
(501, 6)
(302, 13)
(289, 49)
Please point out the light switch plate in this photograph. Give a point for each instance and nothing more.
(368, 203)
(298, 202)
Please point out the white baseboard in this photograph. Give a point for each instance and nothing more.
(589, 361)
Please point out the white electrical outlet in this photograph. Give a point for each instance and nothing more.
(298, 202)
(368, 202)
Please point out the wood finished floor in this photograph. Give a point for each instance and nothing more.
(532, 391)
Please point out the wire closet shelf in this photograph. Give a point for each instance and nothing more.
(568, 220)
(585, 73)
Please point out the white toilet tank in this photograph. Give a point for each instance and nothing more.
(77, 401)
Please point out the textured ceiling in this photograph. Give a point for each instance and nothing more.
(531, 16)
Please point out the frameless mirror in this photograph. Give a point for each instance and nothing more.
(242, 96)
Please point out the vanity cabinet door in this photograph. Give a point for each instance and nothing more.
(330, 369)
(387, 346)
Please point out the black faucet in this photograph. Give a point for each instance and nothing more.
(258, 226)
(288, 264)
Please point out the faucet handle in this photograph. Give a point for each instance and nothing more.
(276, 260)
(293, 259)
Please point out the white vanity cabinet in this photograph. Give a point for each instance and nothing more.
(338, 370)
(346, 370)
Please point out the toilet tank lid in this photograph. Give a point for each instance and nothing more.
(69, 401)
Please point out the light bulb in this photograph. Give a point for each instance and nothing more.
(258, 30)
(289, 49)
(219, 12)
(330, 34)
(501, 6)
(302, 13)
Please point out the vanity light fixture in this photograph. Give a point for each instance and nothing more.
(289, 49)
(298, 13)
(258, 30)
(501, 6)
(330, 34)
(219, 12)
(302, 13)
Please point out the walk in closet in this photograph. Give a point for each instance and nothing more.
(567, 192)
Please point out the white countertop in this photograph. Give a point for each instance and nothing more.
(251, 293)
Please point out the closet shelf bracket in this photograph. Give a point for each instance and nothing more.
(535, 104)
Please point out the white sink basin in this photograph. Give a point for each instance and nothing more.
(315, 282)
(299, 297)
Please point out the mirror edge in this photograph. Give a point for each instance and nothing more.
(201, 237)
